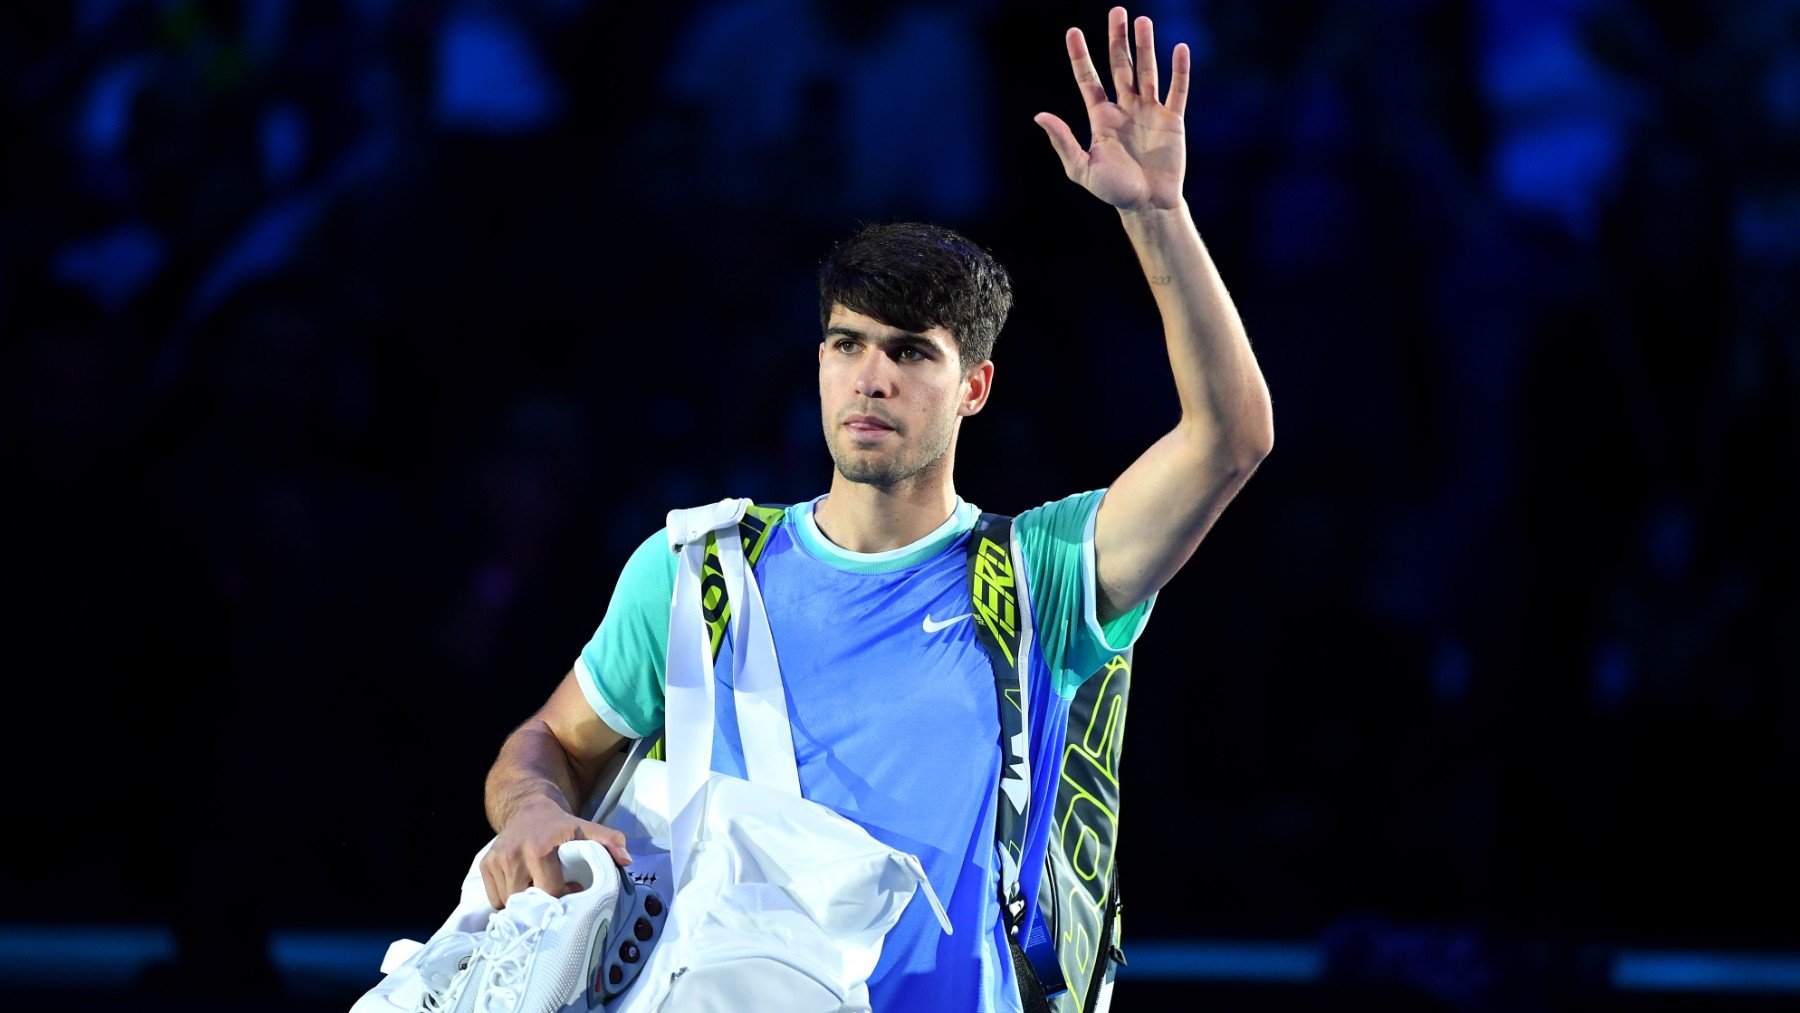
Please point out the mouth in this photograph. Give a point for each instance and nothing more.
(867, 425)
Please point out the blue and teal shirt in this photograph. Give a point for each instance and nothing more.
(891, 699)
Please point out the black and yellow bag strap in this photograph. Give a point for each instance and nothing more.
(1078, 891)
(1001, 626)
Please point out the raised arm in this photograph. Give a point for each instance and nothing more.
(1156, 513)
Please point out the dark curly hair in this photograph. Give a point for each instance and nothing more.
(916, 276)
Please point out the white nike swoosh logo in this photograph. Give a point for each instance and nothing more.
(932, 626)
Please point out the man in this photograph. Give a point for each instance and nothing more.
(891, 697)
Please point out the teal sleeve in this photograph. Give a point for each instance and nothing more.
(621, 670)
(1056, 541)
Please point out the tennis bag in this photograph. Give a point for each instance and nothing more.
(1061, 852)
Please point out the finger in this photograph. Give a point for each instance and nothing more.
(547, 874)
(1087, 79)
(1146, 55)
(490, 881)
(501, 879)
(610, 839)
(1063, 140)
(1178, 79)
(1118, 48)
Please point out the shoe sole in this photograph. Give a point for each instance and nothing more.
(619, 950)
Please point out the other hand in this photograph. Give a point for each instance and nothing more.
(1137, 149)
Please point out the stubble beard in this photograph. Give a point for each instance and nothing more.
(888, 470)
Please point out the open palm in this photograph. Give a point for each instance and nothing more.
(1137, 152)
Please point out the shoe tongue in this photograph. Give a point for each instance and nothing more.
(530, 907)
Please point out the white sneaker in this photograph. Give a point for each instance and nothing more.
(428, 980)
(543, 954)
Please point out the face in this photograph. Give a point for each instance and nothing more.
(891, 399)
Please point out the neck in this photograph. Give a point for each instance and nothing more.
(871, 518)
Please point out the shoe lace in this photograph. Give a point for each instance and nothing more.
(508, 949)
(443, 965)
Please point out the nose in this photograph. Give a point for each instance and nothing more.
(874, 377)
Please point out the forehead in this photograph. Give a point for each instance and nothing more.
(871, 329)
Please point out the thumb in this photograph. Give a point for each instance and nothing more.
(608, 838)
(1069, 150)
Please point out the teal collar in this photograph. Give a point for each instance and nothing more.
(961, 520)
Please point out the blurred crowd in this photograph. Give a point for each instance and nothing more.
(349, 348)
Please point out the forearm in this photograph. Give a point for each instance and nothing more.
(1224, 399)
(532, 769)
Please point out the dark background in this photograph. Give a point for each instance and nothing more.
(348, 348)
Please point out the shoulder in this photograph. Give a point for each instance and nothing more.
(1068, 520)
(652, 561)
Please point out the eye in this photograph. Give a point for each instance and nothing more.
(845, 345)
(910, 354)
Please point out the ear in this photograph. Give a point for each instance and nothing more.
(976, 384)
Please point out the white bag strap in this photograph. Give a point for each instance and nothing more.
(688, 526)
(758, 692)
(688, 704)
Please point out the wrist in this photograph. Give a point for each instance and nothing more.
(1154, 228)
(1153, 213)
(530, 796)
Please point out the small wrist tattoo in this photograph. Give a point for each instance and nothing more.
(1161, 279)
